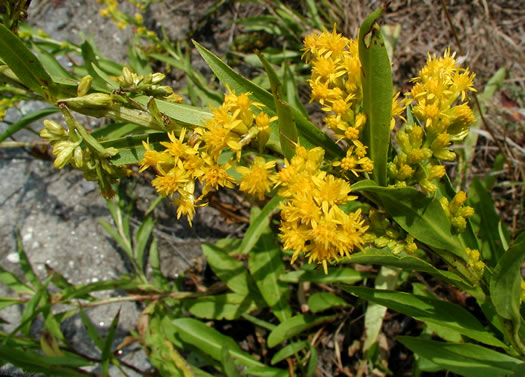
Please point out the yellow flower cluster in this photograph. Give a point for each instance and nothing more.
(5, 104)
(208, 155)
(336, 85)
(438, 99)
(457, 211)
(311, 220)
(473, 260)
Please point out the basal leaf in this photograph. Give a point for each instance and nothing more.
(211, 341)
(228, 306)
(430, 310)
(324, 300)
(468, 360)
(288, 351)
(231, 271)
(294, 326)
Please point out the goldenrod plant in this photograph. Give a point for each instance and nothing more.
(366, 187)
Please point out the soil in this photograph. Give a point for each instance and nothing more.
(56, 213)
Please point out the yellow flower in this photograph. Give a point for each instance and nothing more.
(215, 175)
(257, 179)
(169, 183)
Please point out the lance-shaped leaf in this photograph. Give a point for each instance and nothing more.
(420, 216)
(295, 326)
(212, 342)
(376, 77)
(266, 265)
(26, 121)
(258, 223)
(468, 360)
(24, 63)
(506, 280)
(287, 128)
(428, 309)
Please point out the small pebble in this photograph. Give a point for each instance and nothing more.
(13, 257)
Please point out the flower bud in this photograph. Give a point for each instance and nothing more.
(158, 90)
(64, 155)
(436, 171)
(93, 100)
(54, 129)
(78, 157)
(126, 78)
(84, 85)
(157, 77)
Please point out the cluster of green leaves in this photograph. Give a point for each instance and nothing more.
(253, 286)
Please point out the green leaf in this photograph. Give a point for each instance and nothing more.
(334, 275)
(309, 135)
(104, 76)
(385, 257)
(228, 306)
(292, 89)
(324, 300)
(506, 281)
(230, 369)
(14, 283)
(386, 279)
(266, 265)
(142, 237)
(420, 216)
(258, 225)
(430, 310)
(50, 64)
(26, 121)
(23, 63)
(107, 355)
(90, 60)
(183, 113)
(468, 360)
(487, 221)
(25, 265)
(118, 130)
(288, 351)
(92, 331)
(376, 76)
(231, 271)
(287, 129)
(294, 326)
(131, 149)
(211, 342)
(51, 366)
(311, 368)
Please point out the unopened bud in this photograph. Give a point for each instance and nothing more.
(64, 155)
(159, 91)
(157, 77)
(78, 157)
(55, 129)
(126, 78)
(93, 100)
(84, 85)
